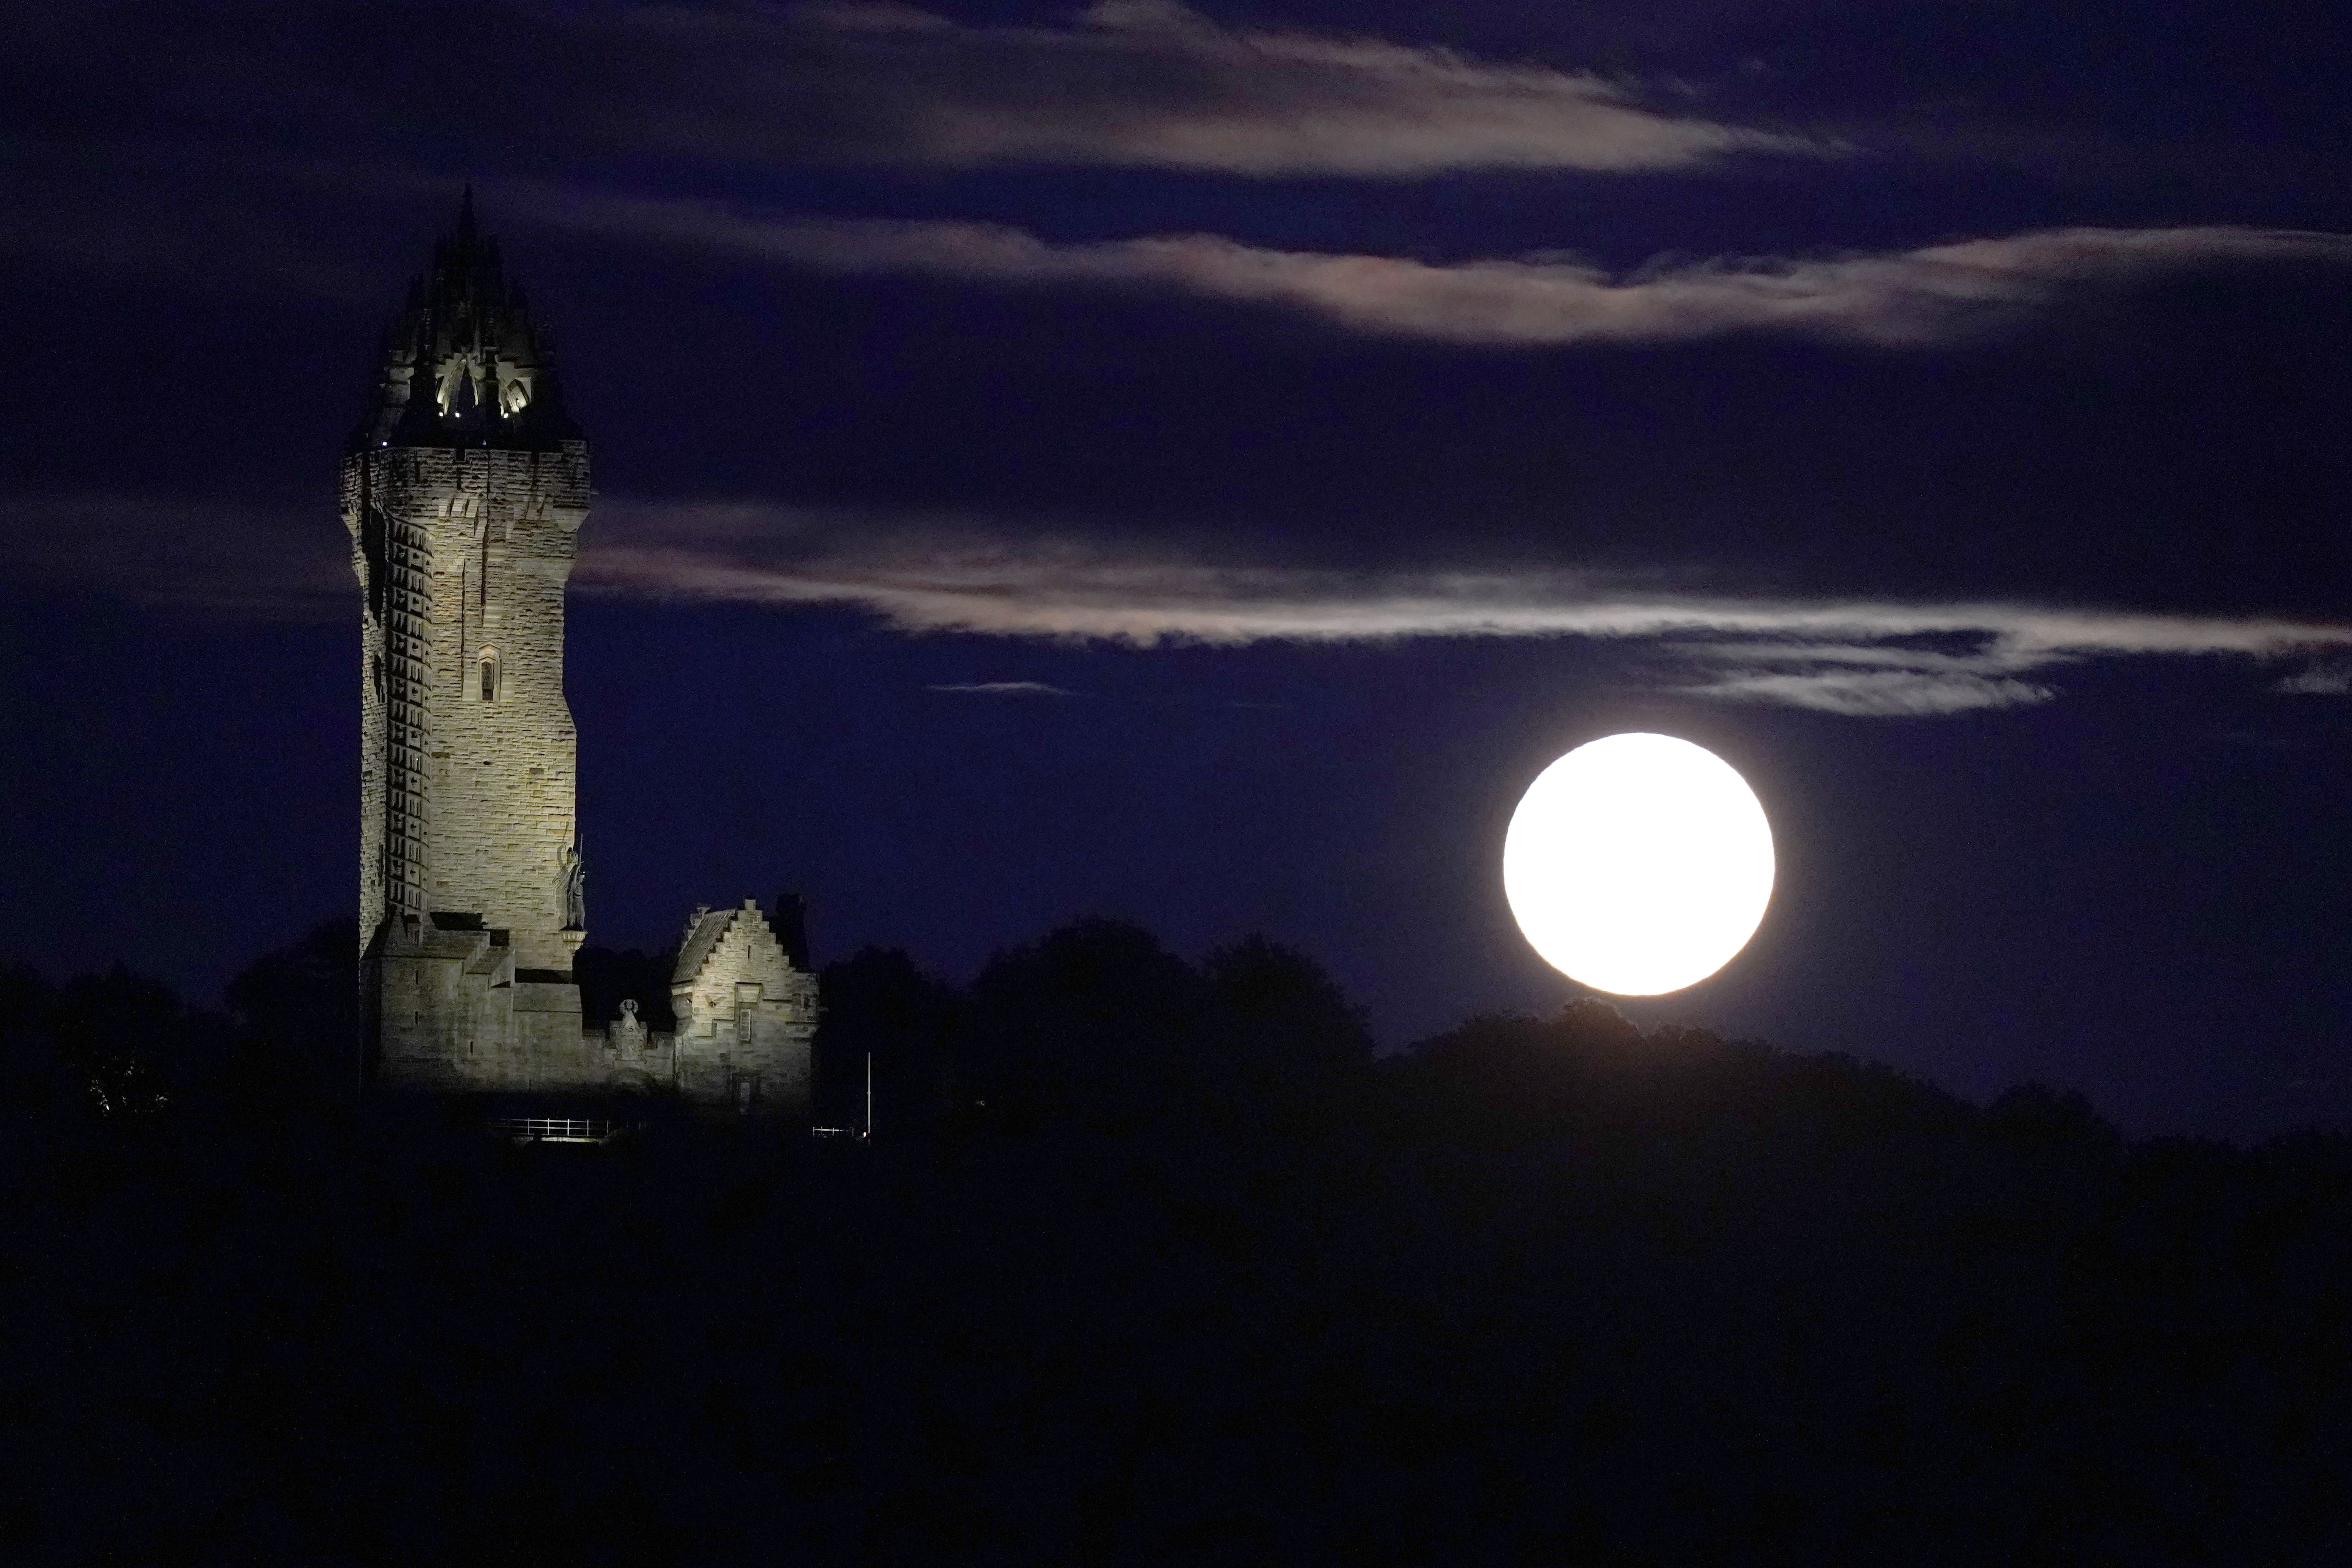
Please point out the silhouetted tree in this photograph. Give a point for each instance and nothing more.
(878, 1004)
(1280, 1015)
(1095, 1022)
(117, 1011)
(2037, 1117)
(1508, 1074)
(296, 1012)
(1284, 1043)
(1751, 1304)
(128, 1039)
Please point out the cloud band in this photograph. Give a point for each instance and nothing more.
(1849, 656)
(1903, 299)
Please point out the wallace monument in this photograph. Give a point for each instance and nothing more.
(464, 489)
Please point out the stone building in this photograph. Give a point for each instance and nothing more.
(464, 491)
(745, 1014)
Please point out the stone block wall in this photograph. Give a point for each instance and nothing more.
(444, 1006)
(468, 799)
(458, 1017)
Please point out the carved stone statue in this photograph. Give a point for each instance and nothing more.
(574, 882)
(628, 1032)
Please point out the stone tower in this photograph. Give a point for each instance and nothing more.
(464, 489)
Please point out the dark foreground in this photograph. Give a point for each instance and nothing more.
(1549, 1293)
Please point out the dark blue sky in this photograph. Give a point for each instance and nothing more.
(1936, 409)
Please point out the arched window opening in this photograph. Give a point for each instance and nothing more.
(489, 675)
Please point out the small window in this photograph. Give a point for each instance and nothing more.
(489, 675)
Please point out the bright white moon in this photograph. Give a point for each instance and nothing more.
(1638, 864)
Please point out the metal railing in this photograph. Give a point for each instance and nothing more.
(557, 1129)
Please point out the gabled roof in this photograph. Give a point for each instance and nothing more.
(701, 936)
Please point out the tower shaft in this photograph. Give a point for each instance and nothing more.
(469, 753)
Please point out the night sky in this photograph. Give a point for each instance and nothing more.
(1198, 465)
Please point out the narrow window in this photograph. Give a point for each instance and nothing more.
(489, 675)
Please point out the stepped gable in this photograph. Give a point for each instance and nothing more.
(463, 364)
(722, 947)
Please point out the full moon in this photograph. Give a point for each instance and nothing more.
(1638, 864)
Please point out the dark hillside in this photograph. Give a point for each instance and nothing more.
(1551, 1290)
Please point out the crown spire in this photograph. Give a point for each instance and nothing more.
(464, 365)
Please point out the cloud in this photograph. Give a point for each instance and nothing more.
(934, 574)
(1897, 299)
(240, 149)
(1004, 688)
(2320, 680)
(931, 573)
(1865, 694)
(1900, 675)
(1133, 83)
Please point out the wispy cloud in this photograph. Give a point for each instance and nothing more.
(923, 574)
(931, 574)
(242, 147)
(1900, 299)
(2331, 680)
(1003, 689)
(1878, 694)
(1146, 83)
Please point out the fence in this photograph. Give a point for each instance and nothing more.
(557, 1129)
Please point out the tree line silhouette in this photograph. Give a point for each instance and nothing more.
(1151, 1259)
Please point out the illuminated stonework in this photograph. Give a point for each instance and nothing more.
(745, 1014)
(464, 491)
